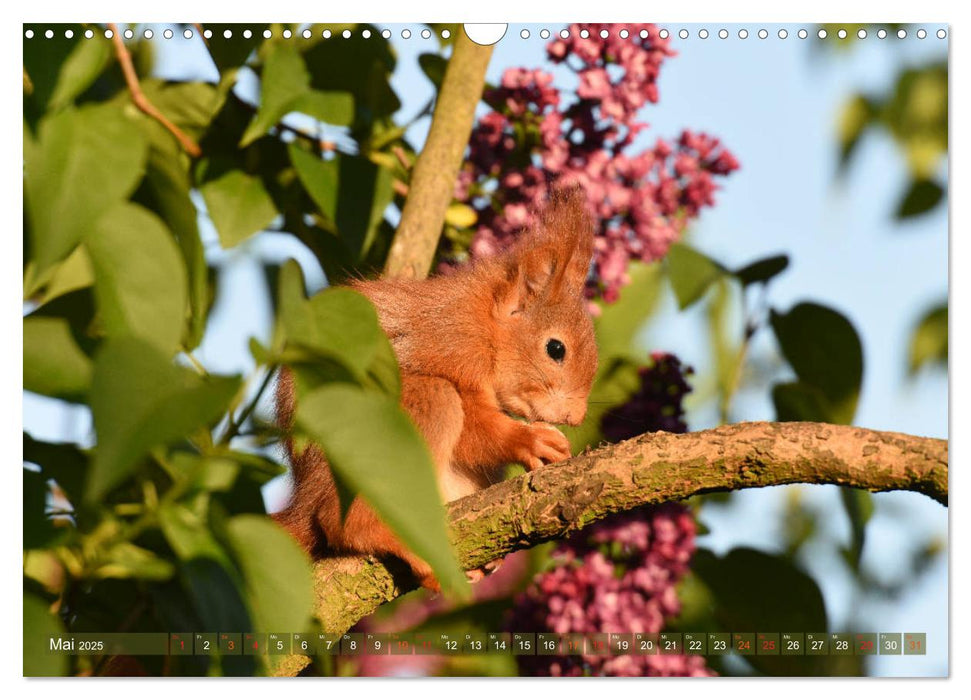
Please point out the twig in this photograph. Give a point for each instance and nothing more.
(235, 424)
(323, 144)
(142, 102)
(198, 366)
(402, 157)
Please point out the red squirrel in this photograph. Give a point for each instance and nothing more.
(506, 337)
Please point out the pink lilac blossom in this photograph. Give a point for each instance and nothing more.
(534, 140)
(619, 575)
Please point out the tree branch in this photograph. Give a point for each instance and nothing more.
(653, 468)
(142, 102)
(433, 180)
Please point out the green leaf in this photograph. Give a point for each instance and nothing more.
(232, 52)
(204, 473)
(83, 65)
(318, 177)
(383, 371)
(825, 352)
(795, 401)
(53, 363)
(433, 65)
(256, 467)
(916, 114)
(216, 596)
(191, 106)
(238, 205)
(279, 584)
(78, 308)
(39, 530)
(858, 505)
(126, 560)
(283, 81)
(63, 462)
(366, 67)
(337, 323)
(920, 198)
(928, 340)
(43, 61)
(856, 114)
(166, 188)
(756, 591)
(167, 183)
(331, 107)
(365, 193)
(189, 535)
(140, 400)
(691, 273)
(65, 277)
(375, 448)
(618, 323)
(39, 626)
(86, 160)
(762, 270)
(139, 276)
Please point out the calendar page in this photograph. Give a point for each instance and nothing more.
(509, 350)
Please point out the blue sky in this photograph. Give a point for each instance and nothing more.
(774, 103)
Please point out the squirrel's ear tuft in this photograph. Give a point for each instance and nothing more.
(568, 227)
(552, 259)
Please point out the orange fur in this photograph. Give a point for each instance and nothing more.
(472, 347)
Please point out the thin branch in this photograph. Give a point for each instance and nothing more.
(142, 102)
(323, 145)
(654, 468)
(232, 430)
(433, 179)
(402, 157)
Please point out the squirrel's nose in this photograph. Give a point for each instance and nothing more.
(576, 413)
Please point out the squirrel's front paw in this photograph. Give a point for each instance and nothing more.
(539, 444)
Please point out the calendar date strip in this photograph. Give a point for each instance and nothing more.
(350, 644)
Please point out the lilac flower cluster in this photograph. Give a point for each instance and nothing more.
(656, 405)
(534, 141)
(619, 575)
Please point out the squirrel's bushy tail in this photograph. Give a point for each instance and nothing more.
(309, 473)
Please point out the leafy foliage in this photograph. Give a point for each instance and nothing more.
(163, 513)
(811, 336)
(914, 113)
(929, 340)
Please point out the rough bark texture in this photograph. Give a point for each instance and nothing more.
(552, 502)
(433, 180)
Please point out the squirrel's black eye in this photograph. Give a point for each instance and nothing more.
(555, 349)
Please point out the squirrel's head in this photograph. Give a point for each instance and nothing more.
(545, 352)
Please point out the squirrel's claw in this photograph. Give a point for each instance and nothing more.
(476, 575)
